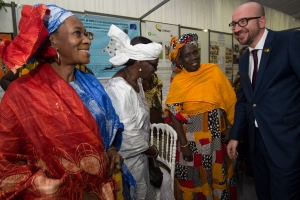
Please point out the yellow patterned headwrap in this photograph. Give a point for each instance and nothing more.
(176, 44)
(175, 47)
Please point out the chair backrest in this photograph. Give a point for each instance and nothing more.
(164, 137)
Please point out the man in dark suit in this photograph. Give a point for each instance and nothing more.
(269, 103)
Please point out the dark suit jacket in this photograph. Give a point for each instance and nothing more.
(275, 101)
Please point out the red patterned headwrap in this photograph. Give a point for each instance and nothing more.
(30, 42)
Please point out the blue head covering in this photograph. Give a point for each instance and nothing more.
(57, 16)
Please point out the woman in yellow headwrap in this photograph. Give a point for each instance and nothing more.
(200, 106)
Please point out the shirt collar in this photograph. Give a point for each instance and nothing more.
(260, 44)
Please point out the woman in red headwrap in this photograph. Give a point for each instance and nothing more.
(59, 133)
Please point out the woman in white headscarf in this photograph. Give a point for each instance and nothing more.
(140, 57)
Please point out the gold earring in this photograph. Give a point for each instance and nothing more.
(58, 60)
(181, 66)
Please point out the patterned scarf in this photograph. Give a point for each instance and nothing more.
(93, 95)
(36, 24)
(176, 44)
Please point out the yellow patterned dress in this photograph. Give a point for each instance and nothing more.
(197, 100)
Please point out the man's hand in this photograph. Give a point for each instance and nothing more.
(115, 161)
(231, 149)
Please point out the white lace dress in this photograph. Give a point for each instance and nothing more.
(134, 113)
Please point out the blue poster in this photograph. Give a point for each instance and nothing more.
(103, 48)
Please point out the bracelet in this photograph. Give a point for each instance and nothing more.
(156, 152)
(185, 145)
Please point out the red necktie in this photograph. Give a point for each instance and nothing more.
(254, 53)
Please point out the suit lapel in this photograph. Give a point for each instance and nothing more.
(266, 52)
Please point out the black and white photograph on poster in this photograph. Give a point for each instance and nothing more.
(228, 55)
(228, 71)
(214, 52)
(235, 54)
(228, 61)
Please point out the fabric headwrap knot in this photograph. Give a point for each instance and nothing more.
(176, 44)
(126, 51)
(36, 24)
(57, 16)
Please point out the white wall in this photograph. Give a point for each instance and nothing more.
(6, 25)
(203, 14)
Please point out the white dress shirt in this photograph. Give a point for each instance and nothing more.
(259, 47)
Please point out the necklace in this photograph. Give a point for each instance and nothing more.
(133, 82)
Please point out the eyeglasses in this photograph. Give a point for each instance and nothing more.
(152, 64)
(242, 22)
(89, 35)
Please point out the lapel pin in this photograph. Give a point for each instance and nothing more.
(267, 50)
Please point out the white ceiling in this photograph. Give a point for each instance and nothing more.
(289, 7)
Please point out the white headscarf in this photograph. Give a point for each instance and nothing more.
(126, 51)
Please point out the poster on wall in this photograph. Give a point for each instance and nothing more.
(221, 39)
(214, 52)
(235, 54)
(162, 33)
(221, 52)
(228, 62)
(236, 48)
(3, 68)
(102, 47)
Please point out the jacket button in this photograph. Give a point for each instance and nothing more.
(254, 105)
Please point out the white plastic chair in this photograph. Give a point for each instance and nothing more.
(164, 137)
